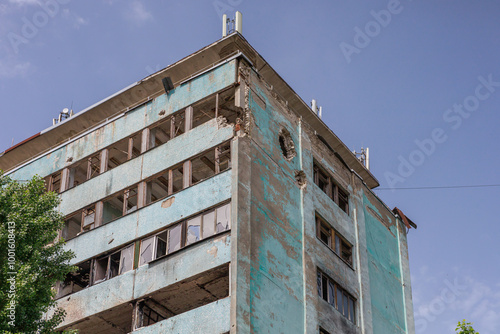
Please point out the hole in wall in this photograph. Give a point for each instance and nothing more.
(286, 144)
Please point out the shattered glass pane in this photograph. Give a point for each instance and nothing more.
(193, 230)
(146, 251)
(223, 218)
(174, 238)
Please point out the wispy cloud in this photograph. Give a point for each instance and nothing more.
(137, 13)
(77, 20)
(441, 301)
(10, 69)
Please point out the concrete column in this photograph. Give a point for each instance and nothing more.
(187, 172)
(64, 180)
(104, 161)
(145, 140)
(189, 119)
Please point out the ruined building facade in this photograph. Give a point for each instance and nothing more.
(209, 198)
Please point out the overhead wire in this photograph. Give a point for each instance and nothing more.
(442, 187)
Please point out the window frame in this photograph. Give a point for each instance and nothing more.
(336, 240)
(350, 313)
(333, 190)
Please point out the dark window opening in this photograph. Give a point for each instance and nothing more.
(114, 264)
(333, 240)
(336, 296)
(119, 204)
(227, 107)
(157, 188)
(81, 221)
(325, 182)
(53, 182)
(75, 281)
(203, 167)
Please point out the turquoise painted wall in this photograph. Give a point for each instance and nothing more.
(386, 289)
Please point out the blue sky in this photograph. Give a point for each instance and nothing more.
(418, 82)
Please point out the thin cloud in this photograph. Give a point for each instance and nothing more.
(436, 305)
(77, 20)
(13, 70)
(137, 13)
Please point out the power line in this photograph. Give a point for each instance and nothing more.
(443, 187)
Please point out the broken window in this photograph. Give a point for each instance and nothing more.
(322, 331)
(179, 120)
(193, 230)
(204, 111)
(88, 218)
(333, 240)
(227, 107)
(223, 218)
(203, 167)
(185, 233)
(75, 281)
(209, 224)
(177, 178)
(157, 188)
(223, 157)
(325, 182)
(53, 182)
(81, 221)
(77, 173)
(124, 150)
(119, 204)
(336, 296)
(72, 226)
(114, 264)
(161, 133)
(146, 254)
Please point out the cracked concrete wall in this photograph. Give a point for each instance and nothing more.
(276, 251)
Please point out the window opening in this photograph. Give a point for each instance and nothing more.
(53, 182)
(341, 300)
(328, 235)
(203, 167)
(325, 182)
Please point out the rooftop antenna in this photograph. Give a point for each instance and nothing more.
(63, 115)
(315, 109)
(363, 156)
(233, 25)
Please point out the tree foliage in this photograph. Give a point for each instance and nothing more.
(31, 261)
(464, 327)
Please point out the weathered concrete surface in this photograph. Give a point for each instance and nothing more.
(210, 318)
(131, 122)
(146, 279)
(269, 228)
(151, 218)
(148, 164)
(276, 253)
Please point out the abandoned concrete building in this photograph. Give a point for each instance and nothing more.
(210, 198)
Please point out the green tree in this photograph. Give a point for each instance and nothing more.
(31, 261)
(464, 327)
